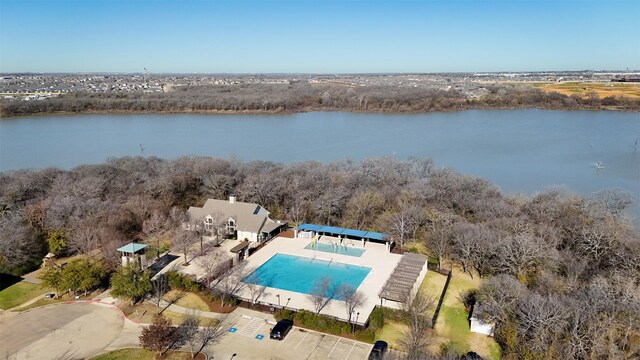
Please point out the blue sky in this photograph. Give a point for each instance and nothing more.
(318, 36)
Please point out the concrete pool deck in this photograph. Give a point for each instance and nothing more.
(376, 257)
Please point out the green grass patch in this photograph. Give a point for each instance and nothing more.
(391, 332)
(452, 327)
(456, 324)
(126, 354)
(19, 293)
(186, 299)
(141, 354)
(494, 350)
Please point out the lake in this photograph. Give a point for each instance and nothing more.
(519, 150)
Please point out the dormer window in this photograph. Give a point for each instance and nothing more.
(231, 225)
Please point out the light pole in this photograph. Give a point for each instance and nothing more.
(289, 299)
(278, 296)
(353, 328)
(232, 356)
(354, 324)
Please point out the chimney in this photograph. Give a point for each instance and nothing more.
(232, 199)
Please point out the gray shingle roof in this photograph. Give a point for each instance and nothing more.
(248, 216)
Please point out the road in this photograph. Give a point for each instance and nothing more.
(65, 331)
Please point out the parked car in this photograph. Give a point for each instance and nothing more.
(49, 295)
(379, 350)
(281, 329)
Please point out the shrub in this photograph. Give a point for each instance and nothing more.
(321, 323)
(367, 336)
(181, 282)
(376, 319)
(468, 298)
(284, 314)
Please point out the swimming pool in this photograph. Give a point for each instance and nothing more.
(298, 274)
(336, 249)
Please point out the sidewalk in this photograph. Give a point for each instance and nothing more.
(25, 304)
(183, 310)
(106, 298)
(239, 311)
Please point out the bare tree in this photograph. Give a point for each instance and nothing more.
(438, 243)
(188, 331)
(183, 241)
(614, 201)
(402, 222)
(160, 287)
(211, 263)
(500, 295)
(362, 207)
(85, 237)
(256, 291)
(352, 298)
(415, 340)
(522, 254)
(212, 332)
(540, 320)
(229, 282)
(216, 226)
(321, 293)
(464, 243)
(153, 226)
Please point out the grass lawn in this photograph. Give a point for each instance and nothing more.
(433, 285)
(142, 354)
(144, 313)
(65, 297)
(452, 326)
(187, 300)
(123, 354)
(391, 332)
(19, 293)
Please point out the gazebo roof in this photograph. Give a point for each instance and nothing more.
(132, 247)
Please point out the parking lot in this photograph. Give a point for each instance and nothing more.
(248, 338)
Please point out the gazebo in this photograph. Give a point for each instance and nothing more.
(134, 253)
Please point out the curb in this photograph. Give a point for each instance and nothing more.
(98, 302)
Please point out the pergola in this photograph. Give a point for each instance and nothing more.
(346, 233)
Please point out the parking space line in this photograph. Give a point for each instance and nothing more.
(317, 343)
(354, 345)
(305, 335)
(334, 347)
(292, 333)
(251, 328)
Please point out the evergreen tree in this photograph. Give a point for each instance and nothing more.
(131, 282)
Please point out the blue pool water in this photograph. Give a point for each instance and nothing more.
(298, 274)
(338, 249)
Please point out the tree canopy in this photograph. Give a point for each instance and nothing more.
(131, 282)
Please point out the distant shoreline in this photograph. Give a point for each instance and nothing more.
(287, 112)
(301, 97)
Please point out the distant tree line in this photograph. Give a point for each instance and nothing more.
(561, 273)
(302, 96)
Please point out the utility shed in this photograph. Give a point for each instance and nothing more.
(478, 322)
